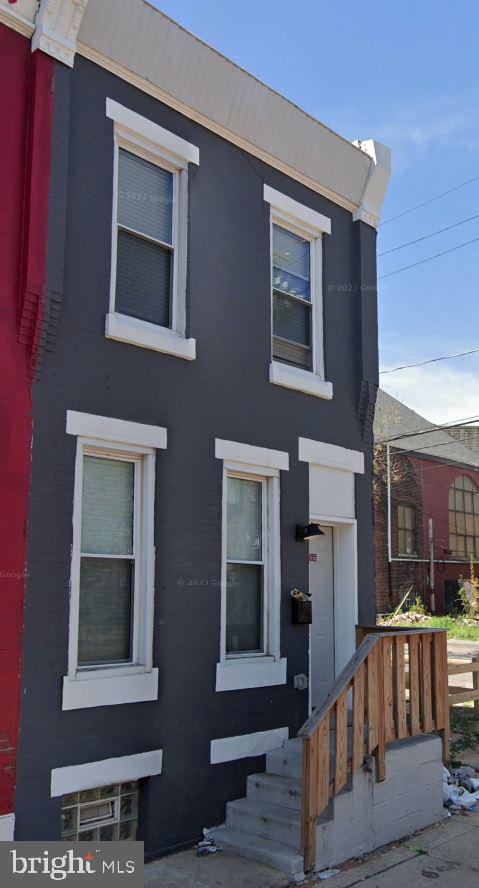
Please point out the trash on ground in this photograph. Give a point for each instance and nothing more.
(460, 789)
(207, 845)
(327, 874)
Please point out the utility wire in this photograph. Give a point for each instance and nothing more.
(429, 258)
(457, 423)
(431, 200)
(426, 236)
(472, 351)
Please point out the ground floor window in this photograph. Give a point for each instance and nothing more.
(105, 813)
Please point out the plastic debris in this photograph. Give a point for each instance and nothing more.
(207, 845)
(460, 789)
(327, 874)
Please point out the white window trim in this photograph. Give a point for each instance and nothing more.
(75, 778)
(308, 223)
(138, 681)
(153, 143)
(261, 670)
(330, 455)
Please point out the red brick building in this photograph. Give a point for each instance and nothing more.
(426, 508)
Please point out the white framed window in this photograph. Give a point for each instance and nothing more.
(406, 529)
(297, 347)
(251, 567)
(112, 571)
(149, 234)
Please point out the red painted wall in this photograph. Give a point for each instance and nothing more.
(436, 479)
(25, 124)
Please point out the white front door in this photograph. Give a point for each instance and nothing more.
(321, 587)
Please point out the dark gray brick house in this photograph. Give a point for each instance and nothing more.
(207, 383)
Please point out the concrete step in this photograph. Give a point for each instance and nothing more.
(258, 848)
(285, 761)
(274, 822)
(274, 790)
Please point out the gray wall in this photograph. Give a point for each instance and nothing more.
(225, 393)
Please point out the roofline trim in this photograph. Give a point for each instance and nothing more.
(156, 92)
(16, 22)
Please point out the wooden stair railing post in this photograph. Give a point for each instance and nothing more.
(414, 684)
(441, 691)
(309, 803)
(380, 751)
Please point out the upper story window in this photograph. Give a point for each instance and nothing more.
(406, 529)
(149, 235)
(297, 295)
(292, 304)
(464, 517)
(145, 256)
(112, 571)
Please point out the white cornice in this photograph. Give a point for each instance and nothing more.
(376, 185)
(147, 86)
(19, 17)
(56, 28)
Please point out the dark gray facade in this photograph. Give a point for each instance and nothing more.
(226, 394)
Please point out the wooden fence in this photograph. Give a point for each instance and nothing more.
(459, 694)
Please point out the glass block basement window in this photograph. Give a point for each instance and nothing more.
(107, 813)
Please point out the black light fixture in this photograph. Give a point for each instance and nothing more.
(307, 532)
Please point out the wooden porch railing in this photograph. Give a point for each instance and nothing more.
(399, 687)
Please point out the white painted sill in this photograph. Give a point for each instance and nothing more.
(250, 672)
(90, 690)
(136, 332)
(300, 380)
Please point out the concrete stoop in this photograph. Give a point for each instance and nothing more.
(265, 826)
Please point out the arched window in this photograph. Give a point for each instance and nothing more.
(406, 529)
(464, 517)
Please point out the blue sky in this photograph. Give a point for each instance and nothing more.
(406, 74)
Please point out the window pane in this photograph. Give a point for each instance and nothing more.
(107, 507)
(104, 633)
(244, 522)
(244, 530)
(468, 501)
(291, 319)
(409, 517)
(143, 279)
(243, 608)
(291, 255)
(289, 283)
(145, 197)
(290, 353)
(402, 542)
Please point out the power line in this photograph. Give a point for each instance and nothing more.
(429, 429)
(431, 200)
(472, 351)
(426, 236)
(429, 258)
